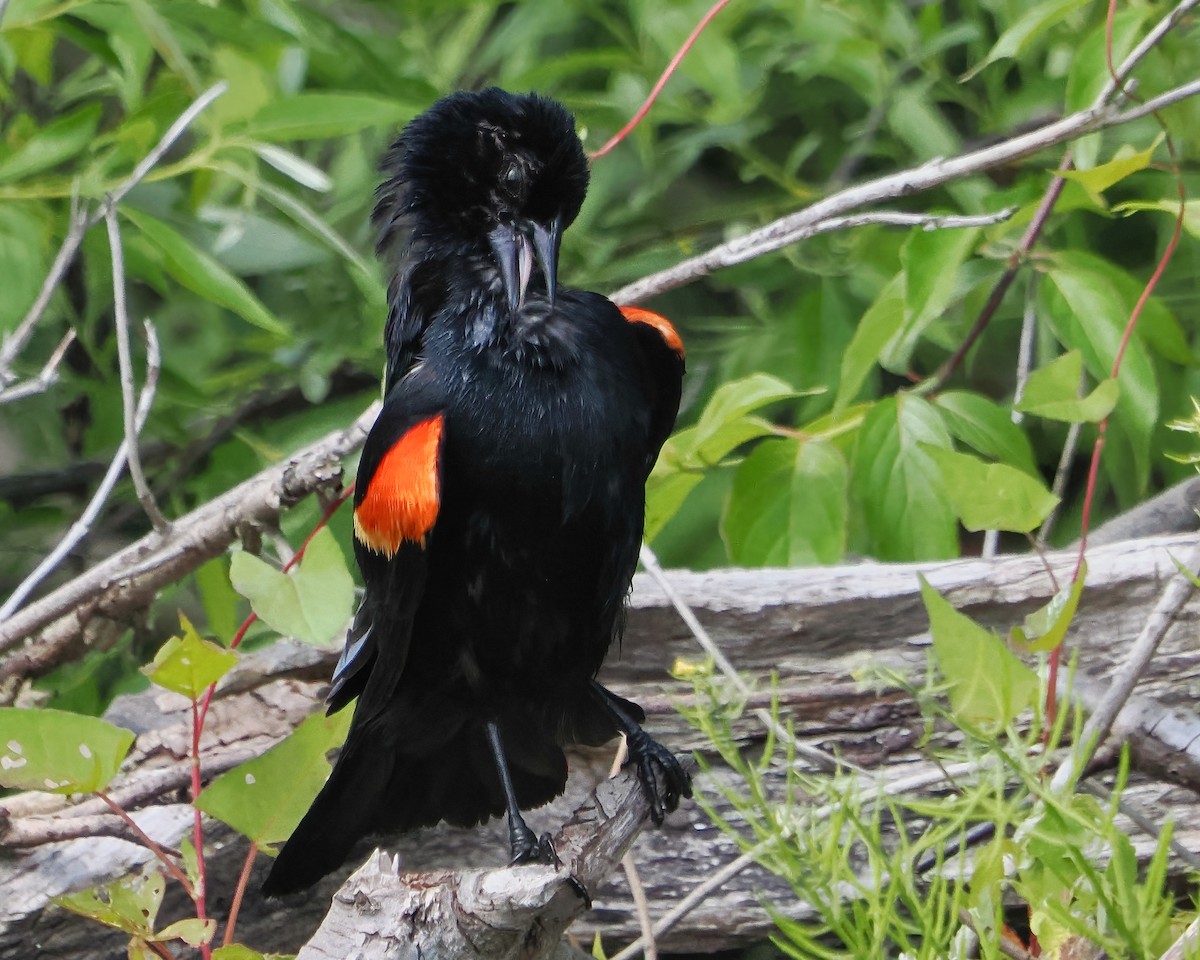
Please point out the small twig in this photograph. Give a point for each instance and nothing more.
(80, 528)
(1177, 592)
(125, 363)
(819, 758)
(661, 82)
(35, 831)
(172, 867)
(44, 380)
(78, 224)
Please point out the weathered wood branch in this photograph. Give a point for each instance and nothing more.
(814, 628)
(510, 913)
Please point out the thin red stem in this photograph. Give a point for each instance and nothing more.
(172, 867)
(238, 894)
(662, 81)
(199, 895)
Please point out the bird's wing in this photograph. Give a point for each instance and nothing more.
(662, 350)
(396, 504)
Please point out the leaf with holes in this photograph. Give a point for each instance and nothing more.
(59, 751)
(189, 664)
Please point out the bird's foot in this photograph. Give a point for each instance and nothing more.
(528, 847)
(663, 780)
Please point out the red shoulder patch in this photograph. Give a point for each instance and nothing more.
(660, 323)
(403, 494)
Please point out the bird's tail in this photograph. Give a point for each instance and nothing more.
(381, 786)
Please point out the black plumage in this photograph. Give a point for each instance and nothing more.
(500, 496)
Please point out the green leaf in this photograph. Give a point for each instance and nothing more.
(989, 686)
(665, 494)
(875, 330)
(200, 273)
(898, 487)
(1052, 392)
(312, 116)
(1125, 163)
(986, 427)
(58, 141)
(129, 904)
(930, 261)
(218, 597)
(265, 798)
(788, 505)
(312, 603)
(237, 951)
(733, 401)
(1035, 21)
(192, 931)
(992, 496)
(1045, 628)
(290, 165)
(1191, 211)
(188, 664)
(58, 751)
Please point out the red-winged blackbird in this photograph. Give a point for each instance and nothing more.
(500, 497)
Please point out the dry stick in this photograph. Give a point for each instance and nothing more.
(81, 222)
(125, 362)
(44, 380)
(819, 758)
(636, 890)
(1177, 592)
(80, 528)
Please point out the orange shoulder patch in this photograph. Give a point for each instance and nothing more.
(403, 495)
(660, 323)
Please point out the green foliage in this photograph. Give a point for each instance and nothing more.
(264, 798)
(189, 664)
(131, 905)
(311, 603)
(58, 751)
(988, 685)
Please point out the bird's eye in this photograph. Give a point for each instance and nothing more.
(512, 176)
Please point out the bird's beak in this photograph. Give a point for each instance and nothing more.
(515, 254)
(515, 260)
(546, 241)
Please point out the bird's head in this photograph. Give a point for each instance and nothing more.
(491, 175)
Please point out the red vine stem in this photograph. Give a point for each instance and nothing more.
(662, 81)
(199, 715)
(172, 867)
(239, 894)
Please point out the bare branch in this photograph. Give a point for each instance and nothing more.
(44, 380)
(14, 342)
(808, 222)
(130, 578)
(79, 529)
(125, 362)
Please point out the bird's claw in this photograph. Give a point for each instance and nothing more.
(527, 847)
(663, 779)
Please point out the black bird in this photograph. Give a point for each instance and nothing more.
(500, 497)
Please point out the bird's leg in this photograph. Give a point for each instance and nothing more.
(663, 780)
(526, 846)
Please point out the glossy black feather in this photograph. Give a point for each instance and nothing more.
(553, 414)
